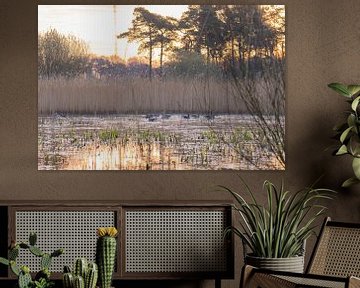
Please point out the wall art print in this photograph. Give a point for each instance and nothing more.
(161, 87)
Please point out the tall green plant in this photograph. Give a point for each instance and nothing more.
(106, 254)
(279, 229)
(349, 131)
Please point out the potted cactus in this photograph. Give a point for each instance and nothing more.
(42, 278)
(85, 275)
(106, 254)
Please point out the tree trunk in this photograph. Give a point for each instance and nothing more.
(150, 54)
(240, 56)
(207, 54)
(161, 57)
(232, 51)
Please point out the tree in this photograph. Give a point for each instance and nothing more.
(60, 55)
(275, 15)
(150, 30)
(203, 30)
(166, 34)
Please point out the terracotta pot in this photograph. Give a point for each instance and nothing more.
(291, 264)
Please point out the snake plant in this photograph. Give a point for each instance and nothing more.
(279, 228)
(348, 132)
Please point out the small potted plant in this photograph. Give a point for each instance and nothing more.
(42, 278)
(348, 132)
(275, 234)
(84, 274)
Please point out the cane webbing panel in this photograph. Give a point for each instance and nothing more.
(175, 241)
(267, 280)
(338, 252)
(313, 282)
(74, 231)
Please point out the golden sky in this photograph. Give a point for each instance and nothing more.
(95, 24)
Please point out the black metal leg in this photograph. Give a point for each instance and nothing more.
(217, 283)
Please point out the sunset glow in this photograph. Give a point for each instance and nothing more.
(96, 24)
(98, 27)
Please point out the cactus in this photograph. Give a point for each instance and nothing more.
(24, 278)
(67, 269)
(14, 268)
(13, 253)
(80, 267)
(24, 245)
(91, 276)
(32, 239)
(79, 282)
(45, 261)
(68, 280)
(36, 251)
(89, 272)
(57, 253)
(105, 255)
(4, 261)
(44, 273)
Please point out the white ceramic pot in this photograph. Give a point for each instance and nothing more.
(291, 264)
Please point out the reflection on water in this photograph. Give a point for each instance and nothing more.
(155, 142)
(128, 156)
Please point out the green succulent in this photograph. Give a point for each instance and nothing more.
(43, 283)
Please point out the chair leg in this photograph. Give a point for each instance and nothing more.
(246, 274)
(251, 279)
(354, 282)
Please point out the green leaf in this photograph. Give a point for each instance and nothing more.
(340, 88)
(342, 150)
(345, 134)
(353, 89)
(356, 167)
(349, 182)
(354, 145)
(351, 120)
(355, 103)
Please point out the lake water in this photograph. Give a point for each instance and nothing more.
(152, 142)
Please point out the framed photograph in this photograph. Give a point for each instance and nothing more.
(161, 87)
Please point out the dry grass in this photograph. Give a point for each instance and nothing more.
(136, 96)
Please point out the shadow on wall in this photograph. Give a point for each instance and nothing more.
(332, 170)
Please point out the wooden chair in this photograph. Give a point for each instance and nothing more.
(334, 263)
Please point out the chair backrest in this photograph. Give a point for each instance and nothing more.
(337, 251)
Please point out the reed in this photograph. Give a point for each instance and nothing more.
(136, 96)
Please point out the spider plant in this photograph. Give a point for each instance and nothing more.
(279, 229)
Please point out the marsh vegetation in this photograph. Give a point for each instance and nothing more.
(169, 142)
